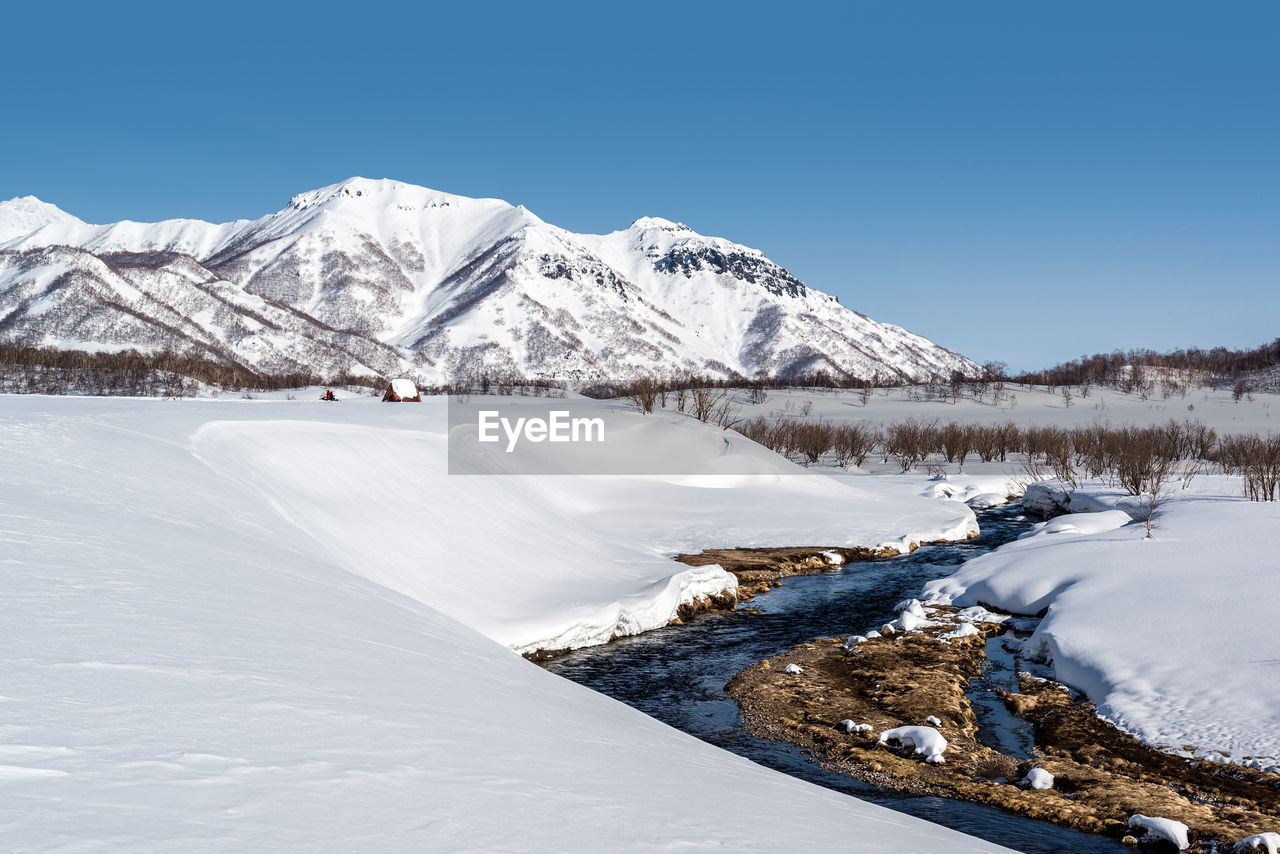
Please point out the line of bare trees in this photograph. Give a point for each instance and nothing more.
(953, 385)
(1133, 369)
(25, 369)
(1140, 460)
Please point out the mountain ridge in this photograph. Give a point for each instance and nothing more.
(382, 277)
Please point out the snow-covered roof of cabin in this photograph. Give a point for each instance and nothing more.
(404, 388)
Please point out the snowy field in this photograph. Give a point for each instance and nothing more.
(274, 624)
(247, 625)
(1257, 413)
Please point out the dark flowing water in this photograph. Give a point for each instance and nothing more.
(677, 675)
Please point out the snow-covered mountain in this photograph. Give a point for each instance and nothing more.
(385, 277)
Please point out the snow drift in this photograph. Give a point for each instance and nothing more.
(200, 651)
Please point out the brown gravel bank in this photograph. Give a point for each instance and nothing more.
(1102, 776)
(760, 569)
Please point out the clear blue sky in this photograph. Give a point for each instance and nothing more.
(1015, 180)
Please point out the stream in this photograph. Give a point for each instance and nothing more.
(677, 674)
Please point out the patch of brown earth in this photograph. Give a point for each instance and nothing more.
(760, 569)
(1102, 775)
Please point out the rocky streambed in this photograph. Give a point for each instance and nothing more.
(678, 674)
(1096, 776)
(723, 677)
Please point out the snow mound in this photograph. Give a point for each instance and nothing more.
(977, 491)
(1268, 842)
(911, 617)
(1038, 778)
(1046, 498)
(1161, 829)
(833, 558)
(979, 614)
(912, 606)
(1081, 523)
(964, 630)
(794, 669)
(932, 721)
(925, 740)
(849, 726)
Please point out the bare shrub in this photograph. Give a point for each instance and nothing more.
(812, 440)
(957, 442)
(1256, 460)
(713, 405)
(644, 394)
(853, 443)
(910, 441)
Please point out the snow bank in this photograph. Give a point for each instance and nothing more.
(1162, 829)
(550, 562)
(926, 740)
(1081, 523)
(186, 666)
(976, 490)
(1172, 637)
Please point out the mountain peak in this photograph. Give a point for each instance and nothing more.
(352, 188)
(368, 199)
(24, 214)
(649, 223)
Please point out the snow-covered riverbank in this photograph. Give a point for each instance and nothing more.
(250, 625)
(1174, 637)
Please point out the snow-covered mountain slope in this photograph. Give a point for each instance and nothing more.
(383, 277)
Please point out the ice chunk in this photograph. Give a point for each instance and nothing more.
(1038, 778)
(853, 642)
(932, 721)
(1164, 829)
(794, 668)
(833, 558)
(924, 739)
